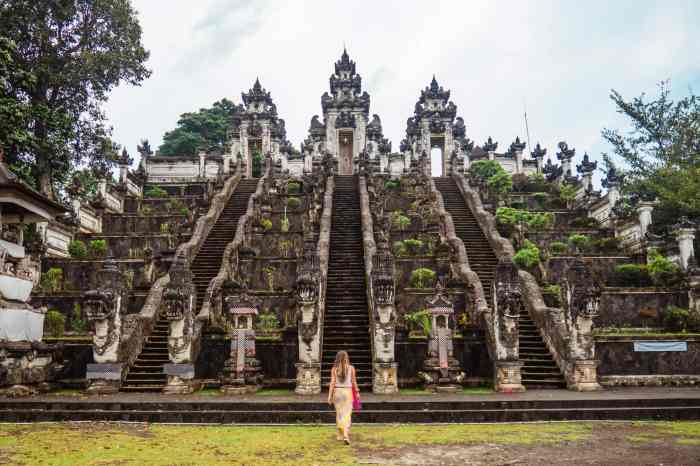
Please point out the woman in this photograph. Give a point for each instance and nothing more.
(343, 381)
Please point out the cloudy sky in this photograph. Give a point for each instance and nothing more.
(557, 59)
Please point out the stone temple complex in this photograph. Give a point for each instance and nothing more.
(252, 266)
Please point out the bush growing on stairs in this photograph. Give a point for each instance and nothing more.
(77, 249)
(419, 321)
(662, 270)
(54, 323)
(528, 256)
(423, 278)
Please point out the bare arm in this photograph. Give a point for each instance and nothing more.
(354, 381)
(331, 387)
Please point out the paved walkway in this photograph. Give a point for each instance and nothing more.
(530, 395)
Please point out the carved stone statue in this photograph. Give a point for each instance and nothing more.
(384, 320)
(308, 318)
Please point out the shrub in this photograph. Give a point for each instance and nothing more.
(537, 182)
(584, 222)
(580, 242)
(632, 275)
(540, 197)
(156, 191)
(184, 210)
(268, 321)
(400, 221)
(98, 247)
(567, 192)
(663, 271)
(607, 245)
(520, 182)
(508, 216)
(400, 249)
(527, 257)
(552, 295)
(540, 221)
(52, 279)
(257, 167)
(266, 223)
(420, 320)
(77, 249)
(413, 245)
(54, 323)
(293, 187)
(284, 224)
(500, 183)
(482, 170)
(77, 323)
(557, 247)
(422, 277)
(392, 184)
(676, 319)
(293, 202)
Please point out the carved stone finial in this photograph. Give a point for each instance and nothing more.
(586, 166)
(490, 145)
(517, 146)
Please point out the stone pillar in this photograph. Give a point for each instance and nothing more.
(492, 155)
(507, 303)
(123, 172)
(685, 237)
(585, 378)
(518, 161)
(202, 164)
(644, 211)
(613, 194)
(508, 377)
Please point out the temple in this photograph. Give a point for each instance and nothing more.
(251, 264)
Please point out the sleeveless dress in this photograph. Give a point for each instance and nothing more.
(342, 400)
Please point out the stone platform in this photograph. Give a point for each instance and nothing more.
(534, 405)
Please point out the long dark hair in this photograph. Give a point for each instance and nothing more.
(342, 364)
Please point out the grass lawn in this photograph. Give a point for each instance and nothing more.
(139, 444)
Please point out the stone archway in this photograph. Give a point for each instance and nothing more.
(436, 162)
(345, 151)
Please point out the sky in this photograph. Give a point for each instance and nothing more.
(557, 60)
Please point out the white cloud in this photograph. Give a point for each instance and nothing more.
(562, 59)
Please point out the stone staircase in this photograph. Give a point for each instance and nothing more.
(482, 259)
(539, 369)
(346, 322)
(146, 374)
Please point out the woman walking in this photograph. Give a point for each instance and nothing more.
(340, 394)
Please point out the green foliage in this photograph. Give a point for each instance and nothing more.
(77, 249)
(63, 60)
(400, 221)
(500, 183)
(266, 223)
(98, 247)
(580, 242)
(413, 245)
(257, 168)
(482, 170)
(293, 202)
(567, 192)
(676, 319)
(269, 272)
(419, 321)
(528, 256)
(663, 272)
(156, 191)
(202, 130)
(52, 280)
(552, 295)
(584, 222)
(392, 184)
(540, 197)
(557, 247)
(537, 182)
(54, 323)
(146, 210)
(293, 187)
(509, 217)
(661, 149)
(284, 224)
(76, 322)
(632, 275)
(400, 249)
(268, 321)
(606, 245)
(422, 278)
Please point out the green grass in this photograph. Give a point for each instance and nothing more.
(137, 444)
(464, 391)
(414, 391)
(275, 392)
(477, 391)
(681, 432)
(642, 333)
(208, 392)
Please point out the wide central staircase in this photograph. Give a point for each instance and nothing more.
(539, 369)
(146, 374)
(346, 322)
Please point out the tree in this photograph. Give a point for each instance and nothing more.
(208, 128)
(58, 61)
(661, 150)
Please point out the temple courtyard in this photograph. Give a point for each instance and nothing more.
(602, 443)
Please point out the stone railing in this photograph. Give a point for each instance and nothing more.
(138, 327)
(579, 373)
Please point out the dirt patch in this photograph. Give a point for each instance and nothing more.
(610, 443)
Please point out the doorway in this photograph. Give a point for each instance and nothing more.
(437, 156)
(255, 158)
(345, 152)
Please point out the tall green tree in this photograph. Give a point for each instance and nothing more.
(59, 60)
(661, 149)
(208, 128)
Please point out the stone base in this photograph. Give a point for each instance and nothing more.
(444, 388)
(508, 378)
(239, 389)
(384, 379)
(585, 377)
(180, 379)
(308, 379)
(104, 379)
(18, 391)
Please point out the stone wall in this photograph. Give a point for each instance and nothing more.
(618, 358)
(635, 307)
